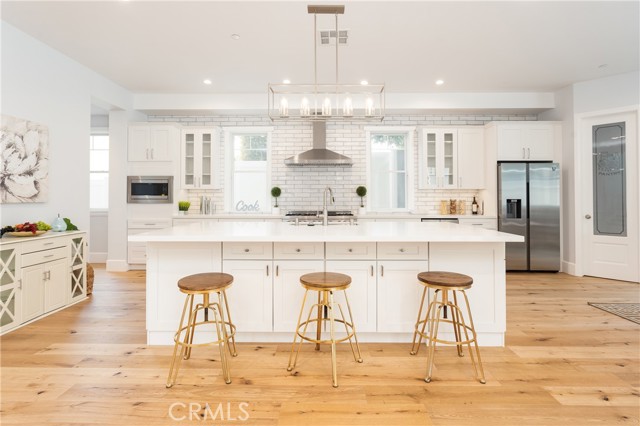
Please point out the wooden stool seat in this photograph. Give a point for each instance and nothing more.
(325, 281)
(445, 279)
(447, 286)
(207, 282)
(327, 313)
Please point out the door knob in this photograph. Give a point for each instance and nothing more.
(587, 216)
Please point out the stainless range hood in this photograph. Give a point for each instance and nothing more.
(319, 155)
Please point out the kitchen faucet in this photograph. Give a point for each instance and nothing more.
(325, 213)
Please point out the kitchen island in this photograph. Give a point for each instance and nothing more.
(267, 259)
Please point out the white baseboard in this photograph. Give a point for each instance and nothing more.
(117, 265)
(569, 268)
(98, 257)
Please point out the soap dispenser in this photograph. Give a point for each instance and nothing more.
(58, 224)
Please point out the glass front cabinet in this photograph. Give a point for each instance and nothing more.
(78, 269)
(438, 162)
(10, 285)
(200, 159)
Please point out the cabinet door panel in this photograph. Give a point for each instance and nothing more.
(161, 143)
(361, 294)
(511, 143)
(288, 293)
(471, 161)
(32, 292)
(399, 293)
(250, 296)
(138, 143)
(55, 286)
(539, 143)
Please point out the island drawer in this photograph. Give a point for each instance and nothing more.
(298, 250)
(250, 250)
(34, 258)
(405, 251)
(357, 251)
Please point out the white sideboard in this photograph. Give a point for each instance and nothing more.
(39, 275)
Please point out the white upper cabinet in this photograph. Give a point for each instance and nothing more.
(151, 142)
(451, 158)
(524, 141)
(200, 158)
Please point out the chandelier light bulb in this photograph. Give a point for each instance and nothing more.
(305, 110)
(368, 107)
(347, 108)
(326, 107)
(284, 107)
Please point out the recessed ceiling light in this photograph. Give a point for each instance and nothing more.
(439, 82)
(235, 36)
(286, 81)
(207, 81)
(364, 82)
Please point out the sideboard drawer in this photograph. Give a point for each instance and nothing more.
(298, 250)
(251, 250)
(42, 256)
(355, 251)
(405, 251)
(43, 244)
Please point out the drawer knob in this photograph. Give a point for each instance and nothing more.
(350, 250)
(246, 250)
(401, 250)
(297, 250)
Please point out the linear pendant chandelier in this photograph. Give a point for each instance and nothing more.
(329, 101)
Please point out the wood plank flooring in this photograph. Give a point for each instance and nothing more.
(565, 363)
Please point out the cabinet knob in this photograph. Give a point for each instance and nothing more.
(297, 250)
(246, 250)
(401, 250)
(587, 216)
(350, 250)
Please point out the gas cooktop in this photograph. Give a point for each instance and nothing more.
(305, 213)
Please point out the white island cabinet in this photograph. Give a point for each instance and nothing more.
(267, 259)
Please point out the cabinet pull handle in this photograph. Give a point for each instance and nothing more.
(49, 243)
(529, 153)
(277, 270)
(382, 270)
(152, 153)
(20, 284)
(49, 255)
(267, 270)
(146, 153)
(523, 156)
(371, 270)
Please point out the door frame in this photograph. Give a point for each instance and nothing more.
(579, 173)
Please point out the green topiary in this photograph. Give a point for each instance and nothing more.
(361, 191)
(183, 206)
(275, 193)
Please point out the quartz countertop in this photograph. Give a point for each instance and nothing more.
(288, 232)
(8, 239)
(365, 217)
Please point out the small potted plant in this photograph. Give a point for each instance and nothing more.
(361, 191)
(275, 193)
(183, 206)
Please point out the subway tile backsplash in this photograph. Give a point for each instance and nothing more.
(302, 187)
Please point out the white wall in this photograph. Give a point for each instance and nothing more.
(607, 93)
(43, 85)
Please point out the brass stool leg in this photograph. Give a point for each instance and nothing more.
(479, 368)
(433, 334)
(358, 358)
(292, 361)
(414, 349)
(334, 367)
(222, 340)
(458, 319)
(319, 324)
(231, 340)
(187, 352)
(175, 362)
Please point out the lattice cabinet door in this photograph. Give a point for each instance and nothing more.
(78, 264)
(10, 288)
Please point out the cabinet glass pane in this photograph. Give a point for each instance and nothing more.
(609, 180)
(8, 303)
(190, 137)
(77, 251)
(431, 159)
(76, 282)
(189, 150)
(188, 166)
(8, 262)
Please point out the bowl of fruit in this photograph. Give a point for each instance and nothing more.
(26, 229)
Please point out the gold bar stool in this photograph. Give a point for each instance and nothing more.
(204, 284)
(443, 283)
(325, 283)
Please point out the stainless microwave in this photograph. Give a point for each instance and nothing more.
(149, 189)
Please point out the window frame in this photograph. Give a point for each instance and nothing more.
(229, 132)
(409, 131)
(99, 131)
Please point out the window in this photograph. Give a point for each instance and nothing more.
(99, 171)
(390, 168)
(248, 168)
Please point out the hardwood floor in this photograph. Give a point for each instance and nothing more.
(565, 363)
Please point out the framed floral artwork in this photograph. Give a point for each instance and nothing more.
(24, 161)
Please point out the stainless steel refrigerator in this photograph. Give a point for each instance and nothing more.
(529, 205)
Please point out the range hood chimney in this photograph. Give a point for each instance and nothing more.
(319, 155)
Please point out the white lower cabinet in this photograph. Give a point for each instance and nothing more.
(361, 294)
(399, 293)
(250, 296)
(32, 292)
(288, 293)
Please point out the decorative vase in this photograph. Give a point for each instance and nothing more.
(58, 224)
(275, 211)
(362, 211)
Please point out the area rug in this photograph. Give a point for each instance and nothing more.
(628, 311)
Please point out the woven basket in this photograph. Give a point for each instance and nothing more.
(90, 276)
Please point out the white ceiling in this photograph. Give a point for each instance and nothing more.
(507, 46)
